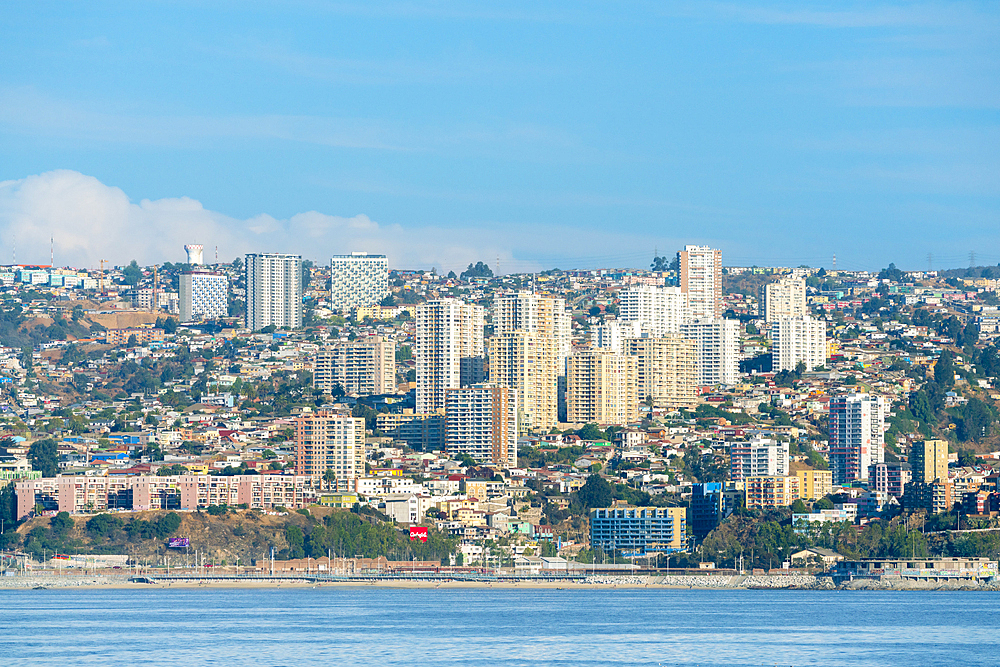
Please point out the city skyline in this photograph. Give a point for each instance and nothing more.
(443, 134)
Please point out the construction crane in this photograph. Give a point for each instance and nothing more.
(100, 287)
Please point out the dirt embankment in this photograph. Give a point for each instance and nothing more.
(123, 320)
(248, 534)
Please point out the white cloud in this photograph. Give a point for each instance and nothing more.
(90, 221)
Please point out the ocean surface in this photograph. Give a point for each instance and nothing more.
(430, 627)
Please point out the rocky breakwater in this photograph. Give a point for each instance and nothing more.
(65, 581)
(798, 581)
(695, 580)
(914, 585)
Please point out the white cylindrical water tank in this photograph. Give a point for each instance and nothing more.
(195, 253)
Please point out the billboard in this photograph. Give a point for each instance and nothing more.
(179, 543)
(418, 533)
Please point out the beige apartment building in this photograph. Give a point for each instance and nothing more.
(929, 460)
(329, 441)
(814, 484)
(482, 422)
(765, 492)
(366, 366)
(602, 387)
(526, 363)
(528, 354)
(666, 369)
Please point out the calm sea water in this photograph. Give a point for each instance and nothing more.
(386, 627)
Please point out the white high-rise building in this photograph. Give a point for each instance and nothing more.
(701, 280)
(784, 299)
(358, 279)
(718, 349)
(448, 348)
(528, 354)
(613, 334)
(758, 457)
(798, 339)
(203, 295)
(857, 432)
(274, 290)
(365, 366)
(481, 421)
(657, 310)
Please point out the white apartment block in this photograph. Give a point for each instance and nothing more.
(482, 422)
(602, 388)
(666, 369)
(204, 295)
(857, 432)
(448, 348)
(274, 291)
(658, 311)
(612, 335)
(330, 441)
(758, 457)
(358, 279)
(365, 366)
(718, 344)
(701, 280)
(798, 339)
(784, 299)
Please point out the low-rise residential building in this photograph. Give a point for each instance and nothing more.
(814, 484)
(770, 491)
(638, 531)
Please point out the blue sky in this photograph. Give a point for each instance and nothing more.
(543, 134)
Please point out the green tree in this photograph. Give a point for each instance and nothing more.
(591, 432)
(296, 542)
(975, 422)
(595, 492)
(104, 525)
(168, 524)
(944, 369)
(132, 274)
(44, 457)
(61, 524)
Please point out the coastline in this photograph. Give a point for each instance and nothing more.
(673, 582)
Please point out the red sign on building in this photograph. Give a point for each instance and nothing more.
(418, 533)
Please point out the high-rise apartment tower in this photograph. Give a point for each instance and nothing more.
(448, 350)
(358, 279)
(701, 280)
(274, 291)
